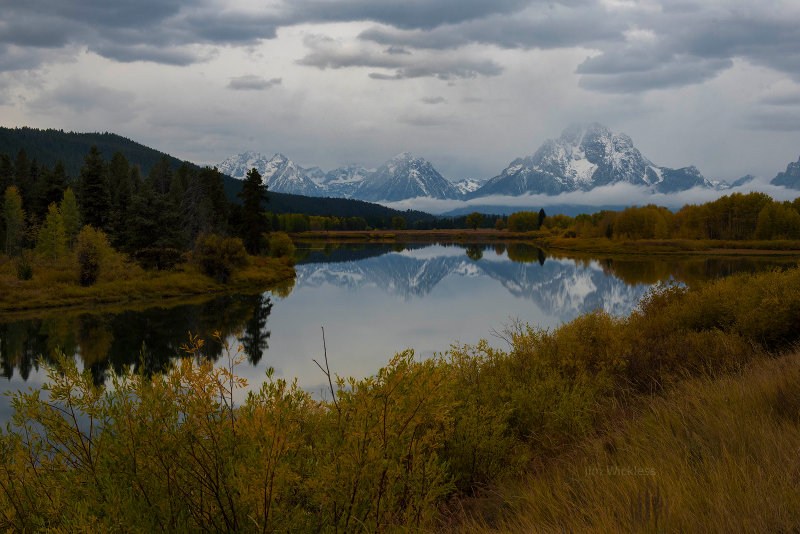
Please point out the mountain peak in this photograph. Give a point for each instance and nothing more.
(586, 156)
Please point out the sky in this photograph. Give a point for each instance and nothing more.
(468, 84)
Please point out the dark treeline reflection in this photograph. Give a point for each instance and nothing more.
(143, 340)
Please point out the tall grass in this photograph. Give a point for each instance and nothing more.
(717, 454)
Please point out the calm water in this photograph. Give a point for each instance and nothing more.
(373, 300)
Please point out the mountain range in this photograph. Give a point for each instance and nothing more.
(582, 158)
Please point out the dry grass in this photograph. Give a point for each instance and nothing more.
(713, 455)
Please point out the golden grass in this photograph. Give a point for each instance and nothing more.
(713, 455)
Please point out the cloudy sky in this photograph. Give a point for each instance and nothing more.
(467, 84)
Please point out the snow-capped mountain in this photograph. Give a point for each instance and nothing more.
(405, 176)
(343, 182)
(789, 178)
(469, 185)
(237, 166)
(278, 172)
(585, 157)
(284, 176)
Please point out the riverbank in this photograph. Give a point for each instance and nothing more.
(549, 241)
(56, 286)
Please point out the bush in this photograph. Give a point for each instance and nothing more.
(218, 257)
(280, 244)
(92, 248)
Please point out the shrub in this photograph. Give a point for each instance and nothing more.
(218, 257)
(280, 244)
(92, 248)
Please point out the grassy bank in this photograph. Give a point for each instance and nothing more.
(56, 285)
(170, 452)
(716, 454)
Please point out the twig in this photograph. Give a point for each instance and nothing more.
(327, 372)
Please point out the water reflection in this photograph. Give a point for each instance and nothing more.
(144, 340)
(377, 298)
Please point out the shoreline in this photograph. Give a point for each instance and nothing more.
(153, 287)
(548, 241)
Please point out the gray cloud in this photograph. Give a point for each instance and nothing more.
(251, 82)
(778, 121)
(434, 100)
(81, 98)
(328, 53)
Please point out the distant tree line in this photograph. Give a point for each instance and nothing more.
(752, 216)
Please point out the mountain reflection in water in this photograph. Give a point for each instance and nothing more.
(373, 299)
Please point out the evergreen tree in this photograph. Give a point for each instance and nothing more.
(94, 194)
(22, 175)
(254, 220)
(13, 221)
(70, 216)
(160, 176)
(152, 222)
(119, 176)
(52, 239)
(6, 172)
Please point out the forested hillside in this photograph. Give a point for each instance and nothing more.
(46, 148)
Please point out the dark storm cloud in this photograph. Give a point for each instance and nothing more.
(424, 14)
(251, 82)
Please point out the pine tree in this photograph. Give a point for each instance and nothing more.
(160, 176)
(52, 239)
(13, 221)
(254, 221)
(94, 195)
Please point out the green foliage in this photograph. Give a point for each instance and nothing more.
(91, 248)
(13, 221)
(499, 224)
(218, 257)
(399, 223)
(474, 220)
(280, 244)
